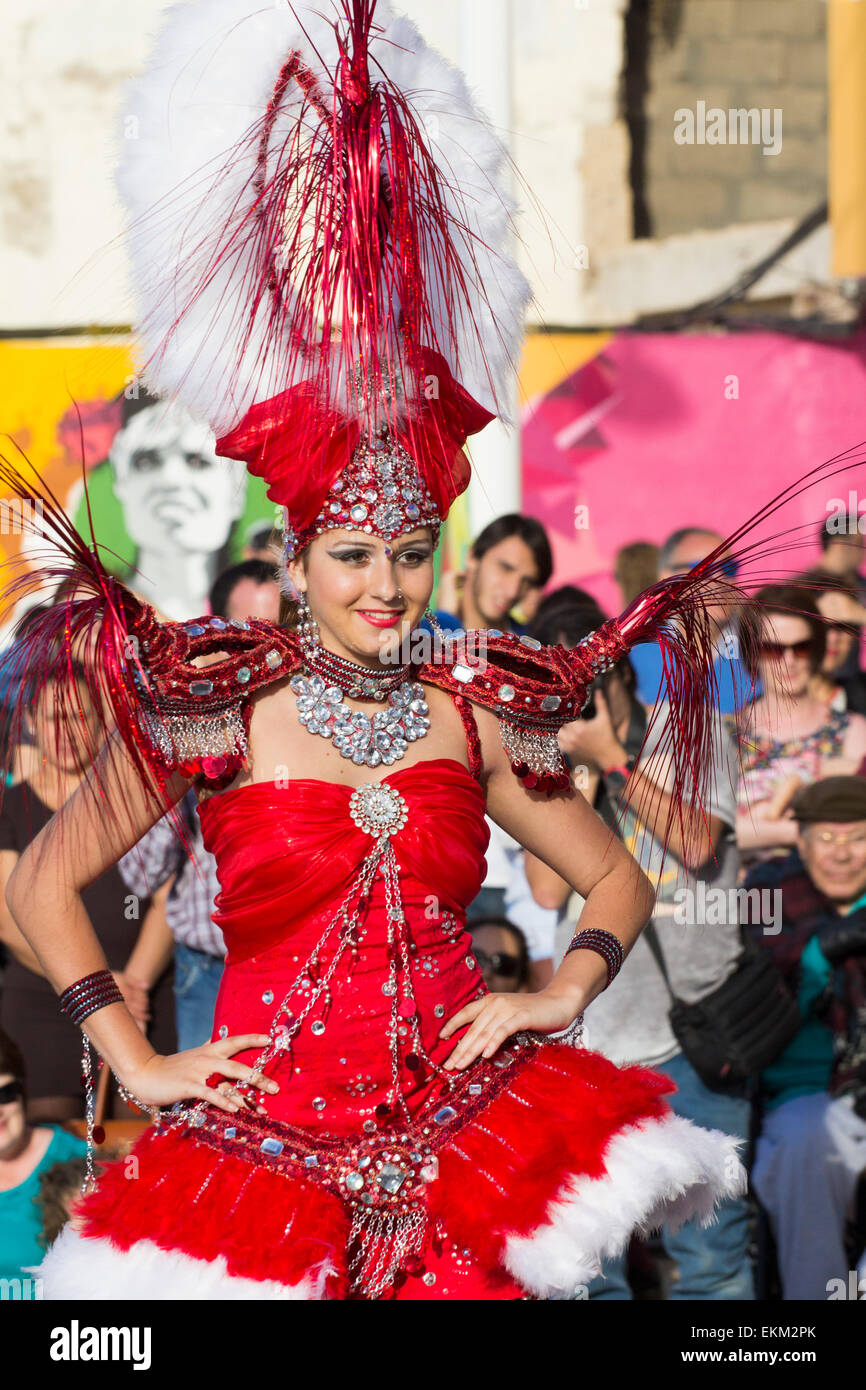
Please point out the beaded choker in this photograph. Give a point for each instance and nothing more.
(358, 682)
(321, 692)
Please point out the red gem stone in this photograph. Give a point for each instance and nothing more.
(412, 1060)
(98, 1135)
(213, 767)
(383, 1111)
(406, 1008)
(414, 1264)
(530, 780)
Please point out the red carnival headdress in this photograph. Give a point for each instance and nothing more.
(319, 243)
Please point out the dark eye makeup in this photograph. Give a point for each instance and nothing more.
(410, 556)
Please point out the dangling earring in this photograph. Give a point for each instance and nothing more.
(308, 628)
(433, 621)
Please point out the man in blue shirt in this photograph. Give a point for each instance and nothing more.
(679, 554)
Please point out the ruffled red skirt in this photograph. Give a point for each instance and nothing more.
(530, 1193)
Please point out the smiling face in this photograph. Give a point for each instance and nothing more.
(835, 858)
(366, 594)
(175, 492)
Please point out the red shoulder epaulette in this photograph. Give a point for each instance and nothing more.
(197, 717)
(532, 689)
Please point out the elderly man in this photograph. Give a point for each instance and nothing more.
(812, 1146)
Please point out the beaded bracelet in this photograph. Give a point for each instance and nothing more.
(93, 992)
(605, 943)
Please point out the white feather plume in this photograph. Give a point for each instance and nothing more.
(79, 1267)
(208, 81)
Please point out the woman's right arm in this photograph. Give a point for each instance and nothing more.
(105, 817)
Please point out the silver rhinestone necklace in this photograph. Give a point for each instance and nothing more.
(368, 741)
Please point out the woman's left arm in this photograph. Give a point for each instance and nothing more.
(10, 935)
(567, 835)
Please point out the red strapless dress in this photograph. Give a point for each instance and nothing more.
(375, 1174)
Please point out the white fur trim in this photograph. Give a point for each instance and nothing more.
(208, 79)
(87, 1267)
(663, 1172)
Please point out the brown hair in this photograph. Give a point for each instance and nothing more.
(60, 1186)
(289, 614)
(636, 567)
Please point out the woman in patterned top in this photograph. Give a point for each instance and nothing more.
(789, 737)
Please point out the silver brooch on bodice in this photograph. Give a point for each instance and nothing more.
(377, 809)
(367, 741)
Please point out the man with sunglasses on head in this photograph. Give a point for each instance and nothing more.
(681, 552)
(811, 1150)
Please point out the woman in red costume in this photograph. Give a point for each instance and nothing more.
(333, 293)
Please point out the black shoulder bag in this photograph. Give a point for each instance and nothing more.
(736, 1031)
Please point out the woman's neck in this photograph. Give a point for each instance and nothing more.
(779, 711)
(365, 662)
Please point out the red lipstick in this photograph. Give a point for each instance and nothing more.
(378, 617)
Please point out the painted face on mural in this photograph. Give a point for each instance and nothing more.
(175, 492)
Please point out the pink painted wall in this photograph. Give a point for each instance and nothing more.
(645, 438)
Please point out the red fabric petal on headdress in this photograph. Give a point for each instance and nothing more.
(444, 418)
(300, 445)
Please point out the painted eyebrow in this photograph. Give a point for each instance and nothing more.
(365, 545)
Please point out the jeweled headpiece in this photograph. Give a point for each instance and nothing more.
(320, 237)
(380, 491)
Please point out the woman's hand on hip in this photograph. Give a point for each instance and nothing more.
(497, 1017)
(184, 1075)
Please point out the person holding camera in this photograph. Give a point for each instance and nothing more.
(681, 960)
(811, 1149)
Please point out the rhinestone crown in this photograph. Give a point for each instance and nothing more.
(380, 491)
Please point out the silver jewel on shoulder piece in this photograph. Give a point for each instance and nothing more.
(377, 809)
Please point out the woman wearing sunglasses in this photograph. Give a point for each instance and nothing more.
(501, 951)
(789, 736)
(25, 1152)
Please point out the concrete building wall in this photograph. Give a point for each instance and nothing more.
(62, 70)
(735, 55)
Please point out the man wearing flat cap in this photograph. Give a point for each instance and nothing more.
(812, 1145)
